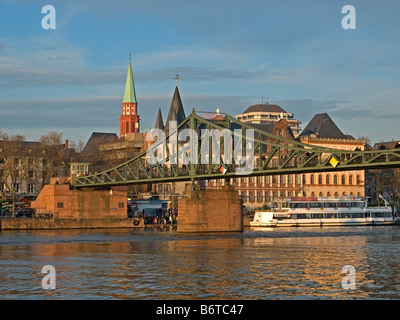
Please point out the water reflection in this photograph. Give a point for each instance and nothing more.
(255, 264)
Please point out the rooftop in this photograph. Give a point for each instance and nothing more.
(323, 126)
(266, 107)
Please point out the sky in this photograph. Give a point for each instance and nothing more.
(229, 55)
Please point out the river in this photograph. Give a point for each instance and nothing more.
(265, 263)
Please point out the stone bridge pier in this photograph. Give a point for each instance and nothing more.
(210, 210)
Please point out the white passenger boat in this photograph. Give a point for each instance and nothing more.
(308, 212)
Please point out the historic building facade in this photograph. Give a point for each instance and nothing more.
(322, 131)
(269, 113)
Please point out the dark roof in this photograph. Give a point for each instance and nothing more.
(176, 111)
(387, 145)
(97, 139)
(159, 121)
(323, 127)
(266, 107)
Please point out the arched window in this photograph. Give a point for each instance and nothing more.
(351, 179)
(343, 179)
(313, 194)
(320, 179)
(312, 179)
(336, 194)
(328, 179)
(344, 193)
(358, 180)
(328, 194)
(335, 179)
(321, 194)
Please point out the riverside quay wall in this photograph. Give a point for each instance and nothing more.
(199, 211)
(71, 209)
(210, 210)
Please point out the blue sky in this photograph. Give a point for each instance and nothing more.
(229, 54)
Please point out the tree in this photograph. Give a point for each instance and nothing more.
(78, 148)
(383, 181)
(55, 158)
(14, 165)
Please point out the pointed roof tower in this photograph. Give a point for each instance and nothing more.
(130, 95)
(159, 121)
(176, 111)
(172, 116)
(129, 120)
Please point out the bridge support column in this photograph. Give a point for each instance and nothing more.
(210, 210)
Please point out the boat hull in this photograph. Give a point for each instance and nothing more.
(323, 222)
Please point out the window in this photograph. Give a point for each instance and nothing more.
(350, 179)
(312, 179)
(335, 179)
(343, 179)
(320, 179)
(321, 194)
(60, 205)
(259, 196)
(121, 205)
(251, 196)
(358, 180)
(31, 187)
(328, 179)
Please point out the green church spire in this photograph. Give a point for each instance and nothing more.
(130, 95)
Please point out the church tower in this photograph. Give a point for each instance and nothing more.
(129, 120)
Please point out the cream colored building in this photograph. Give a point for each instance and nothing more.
(323, 132)
(269, 113)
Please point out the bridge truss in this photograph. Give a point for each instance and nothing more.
(224, 147)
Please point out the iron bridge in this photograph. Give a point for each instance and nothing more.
(224, 148)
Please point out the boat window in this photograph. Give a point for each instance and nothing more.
(299, 216)
(317, 215)
(345, 215)
(358, 204)
(330, 215)
(330, 204)
(388, 214)
(358, 214)
(303, 205)
(315, 205)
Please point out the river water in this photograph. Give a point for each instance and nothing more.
(265, 263)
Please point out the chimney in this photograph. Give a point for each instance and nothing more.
(66, 144)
